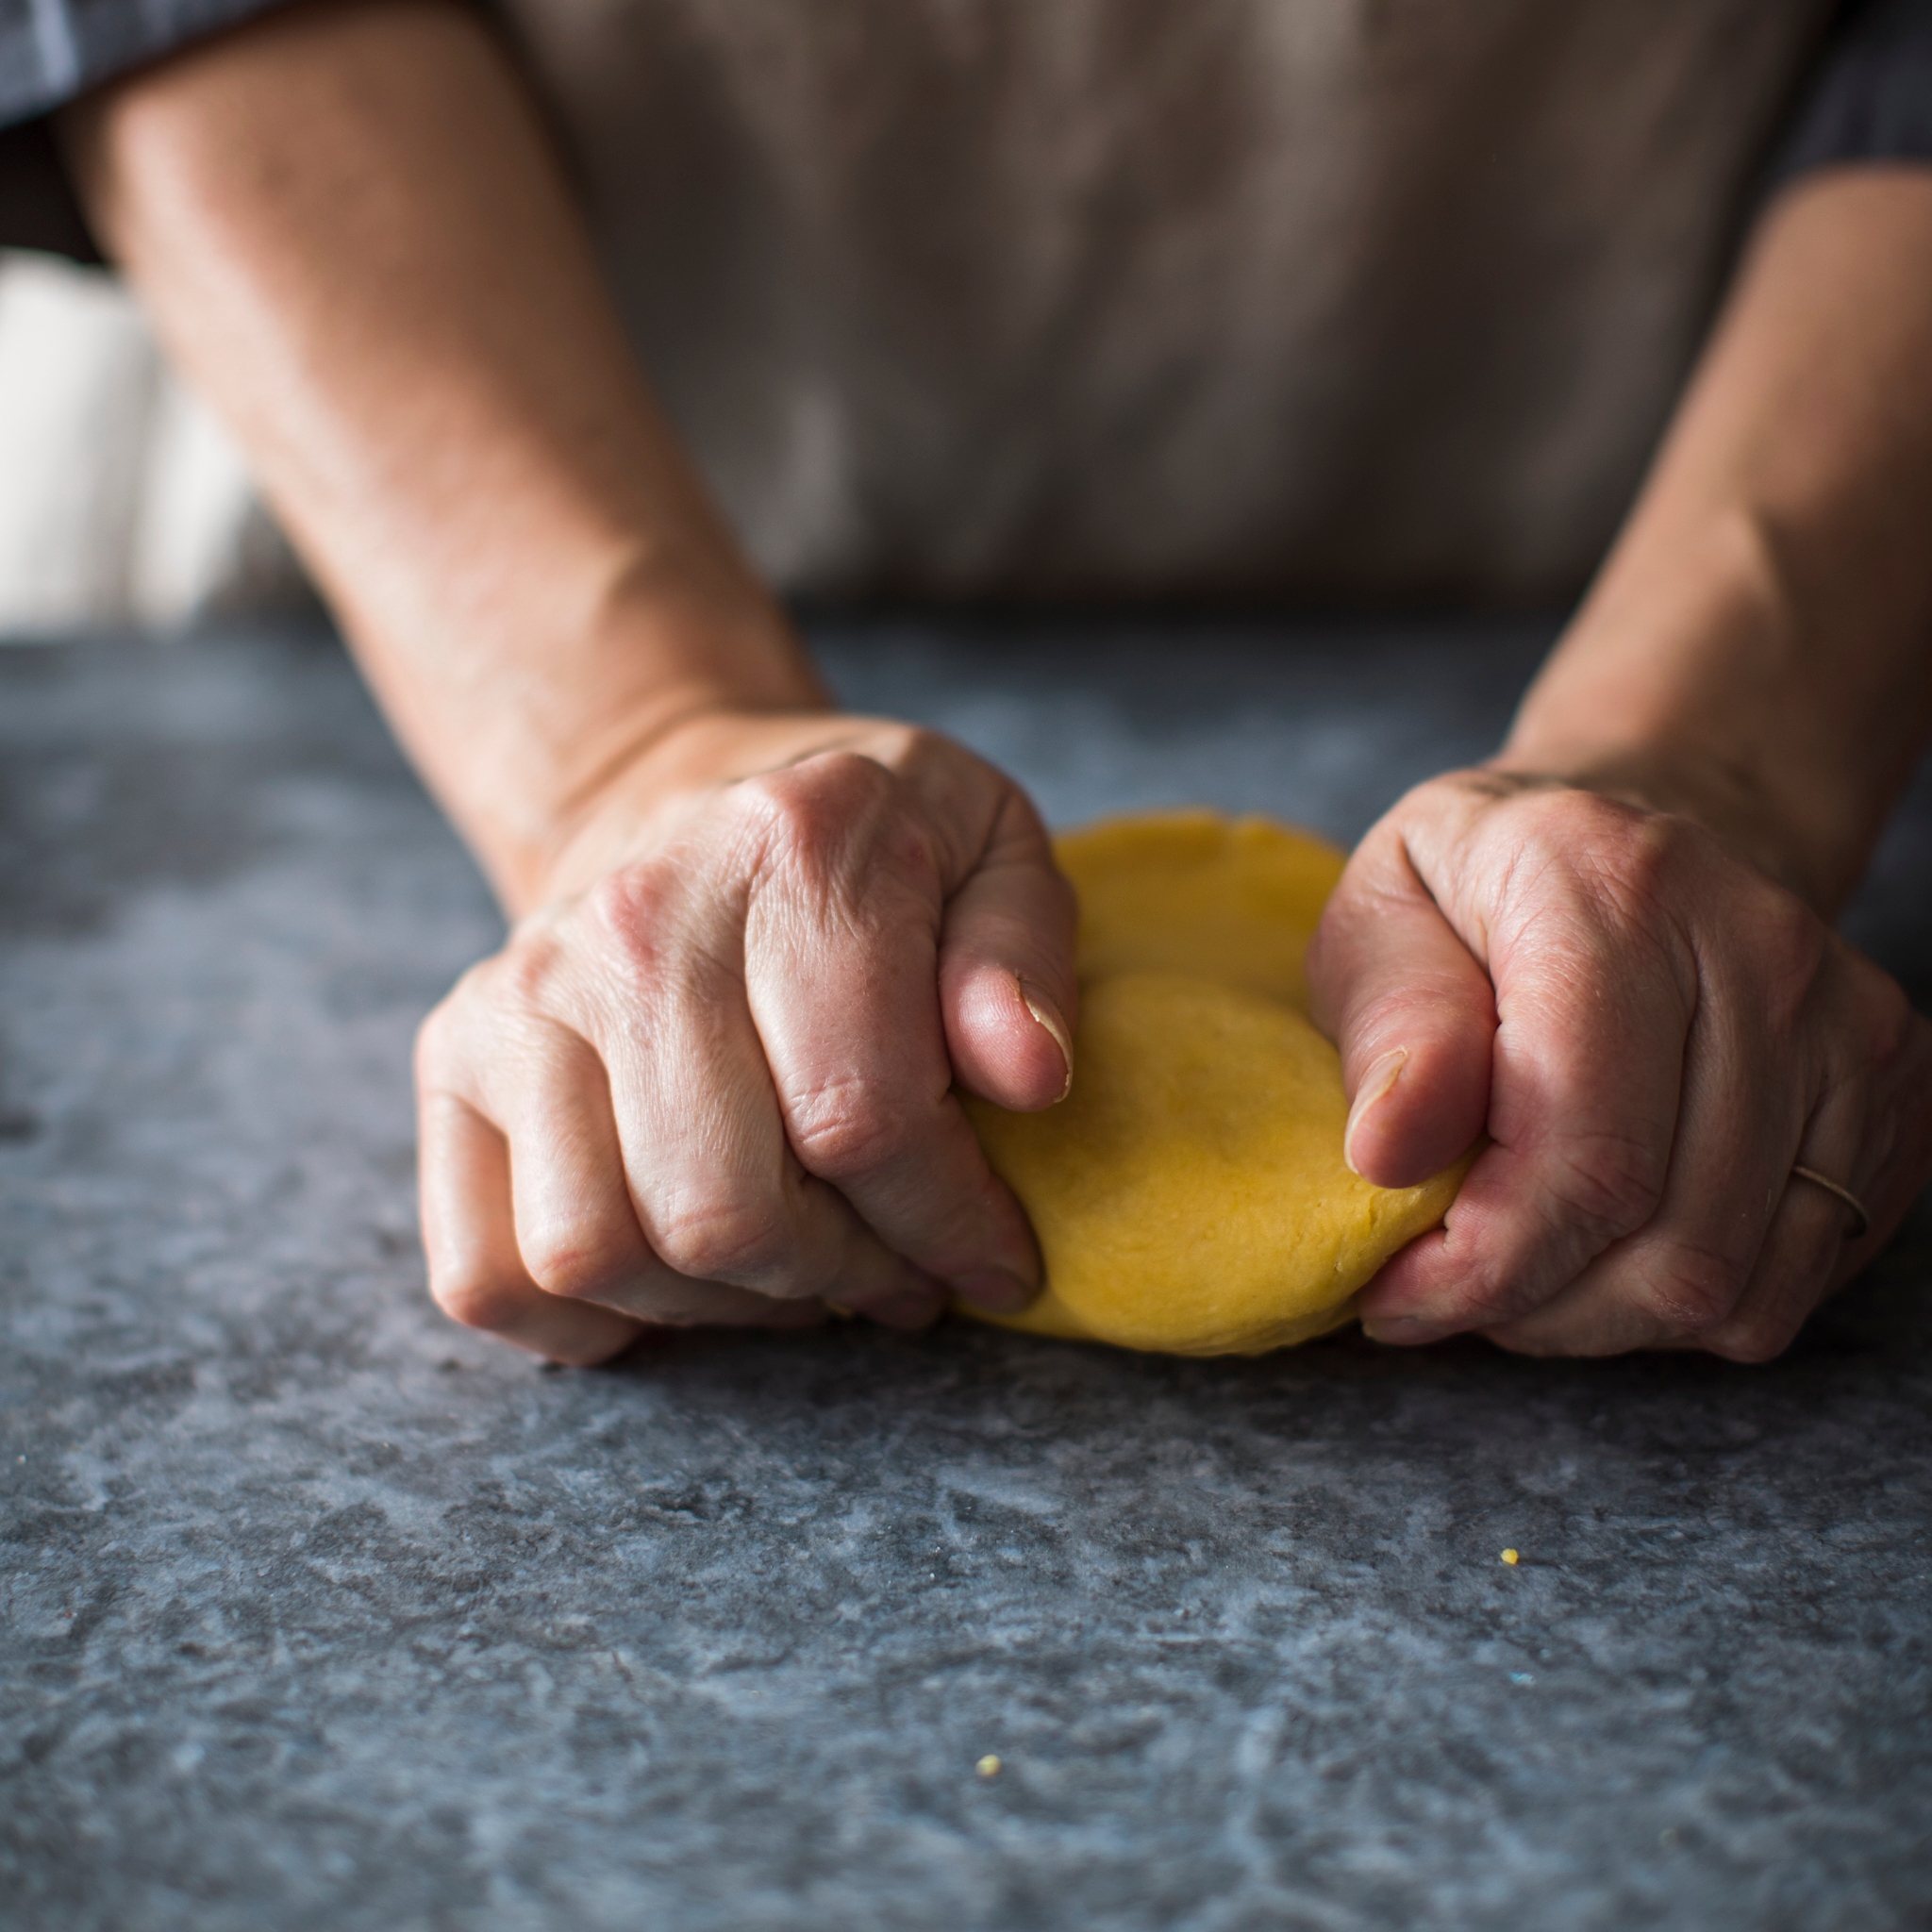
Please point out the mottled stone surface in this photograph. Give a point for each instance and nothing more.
(320, 1613)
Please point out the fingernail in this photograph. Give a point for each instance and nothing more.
(1401, 1331)
(1377, 1080)
(1048, 1015)
(1005, 1293)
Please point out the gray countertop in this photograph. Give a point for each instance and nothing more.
(319, 1612)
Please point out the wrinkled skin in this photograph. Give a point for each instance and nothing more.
(758, 944)
(1652, 1034)
(716, 1086)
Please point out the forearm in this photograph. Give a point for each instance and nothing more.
(355, 239)
(1758, 644)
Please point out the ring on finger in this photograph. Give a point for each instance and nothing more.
(1861, 1218)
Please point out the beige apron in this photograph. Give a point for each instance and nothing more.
(1315, 298)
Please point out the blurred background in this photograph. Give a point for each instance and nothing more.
(122, 501)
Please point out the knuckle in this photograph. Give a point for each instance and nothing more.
(1618, 833)
(1593, 897)
(723, 1237)
(634, 910)
(1489, 1292)
(1786, 946)
(1789, 936)
(573, 1263)
(477, 1298)
(1693, 1290)
(813, 805)
(836, 814)
(903, 747)
(1891, 1035)
(442, 1040)
(844, 1130)
(523, 978)
(1609, 1185)
(1588, 827)
(1636, 873)
(1632, 880)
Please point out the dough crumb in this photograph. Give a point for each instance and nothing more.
(987, 1766)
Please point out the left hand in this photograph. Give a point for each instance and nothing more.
(1652, 1032)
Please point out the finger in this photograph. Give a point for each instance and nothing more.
(1870, 1132)
(1008, 994)
(1412, 1014)
(1893, 1160)
(1741, 1118)
(841, 964)
(713, 1182)
(476, 1274)
(576, 1227)
(1809, 1234)
(1594, 1014)
(1803, 1249)
(1597, 1316)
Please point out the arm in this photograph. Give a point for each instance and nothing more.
(710, 1077)
(1764, 624)
(1607, 947)
(352, 236)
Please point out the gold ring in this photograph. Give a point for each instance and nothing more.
(1845, 1194)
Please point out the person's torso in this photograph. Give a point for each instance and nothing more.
(1326, 298)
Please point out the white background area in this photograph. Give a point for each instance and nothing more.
(122, 500)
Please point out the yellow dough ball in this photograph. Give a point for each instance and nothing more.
(1233, 900)
(1190, 1194)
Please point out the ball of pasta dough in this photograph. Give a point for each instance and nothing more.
(1189, 1193)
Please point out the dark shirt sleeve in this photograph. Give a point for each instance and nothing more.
(52, 50)
(1869, 95)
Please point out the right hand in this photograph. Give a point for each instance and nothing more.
(716, 1083)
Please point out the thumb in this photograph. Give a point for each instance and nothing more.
(1006, 987)
(1411, 1011)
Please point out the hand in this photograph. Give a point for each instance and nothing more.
(716, 1083)
(1652, 1033)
